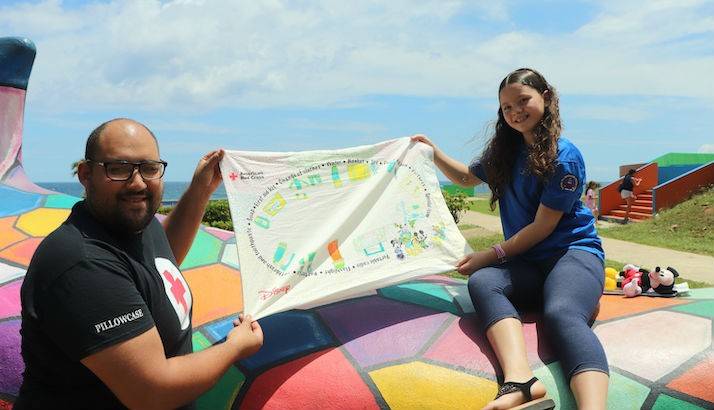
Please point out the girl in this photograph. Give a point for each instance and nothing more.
(627, 188)
(552, 253)
(590, 198)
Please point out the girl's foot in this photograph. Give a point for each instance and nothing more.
(512, 394)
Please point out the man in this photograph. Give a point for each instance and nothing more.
(106, 314)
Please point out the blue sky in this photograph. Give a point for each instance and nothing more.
(634, 77)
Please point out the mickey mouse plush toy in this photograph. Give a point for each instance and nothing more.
(662, 280)
(639, 280)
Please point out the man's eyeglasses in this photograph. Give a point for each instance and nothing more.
(124, 170)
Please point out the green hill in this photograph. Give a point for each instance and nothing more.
(687, 227)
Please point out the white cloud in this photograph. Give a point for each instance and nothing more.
(188, 56)
(706, 148)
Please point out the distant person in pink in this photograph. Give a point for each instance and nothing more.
(591, 198)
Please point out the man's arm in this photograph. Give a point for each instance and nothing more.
(182, 223)
(139, 374)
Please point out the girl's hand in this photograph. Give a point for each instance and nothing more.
(423, 139)
(474, 261)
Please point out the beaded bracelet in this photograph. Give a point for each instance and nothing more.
(500, 253)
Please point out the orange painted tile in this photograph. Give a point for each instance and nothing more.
(698, 380)
(613, 306)
(8, 234)
(216, 291)
(21, 252)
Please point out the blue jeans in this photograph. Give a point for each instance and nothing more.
(567, 286)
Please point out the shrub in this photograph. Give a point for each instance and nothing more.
(217, 214)
(456, 203)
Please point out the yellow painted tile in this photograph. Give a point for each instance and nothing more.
(42, 221)
(419, 385)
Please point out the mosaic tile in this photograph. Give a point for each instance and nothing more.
(8, 233)
(689, 334)
(21, 252)
(12, 364)
(15, 202)
(431, 387)
(697, 381)
(216, 291)
(10, 299)
(307, 383)
(615, 306)
(426, 294)
(61, 201)
(703, 308)
(40, 222)
(205, 250)
(223, 393)
(291, 334)
(230, 256)
(665, 402)
(376, 330)
(9, 272)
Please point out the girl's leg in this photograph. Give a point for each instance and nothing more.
(571, 293)
(492, 289)
(590, 389)
(629, 205)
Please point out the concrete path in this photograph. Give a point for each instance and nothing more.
(690, 265)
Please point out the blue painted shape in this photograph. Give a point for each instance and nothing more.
(288, 334)
(666, 174)
(16, 58)
(219, 330)
(15, 202)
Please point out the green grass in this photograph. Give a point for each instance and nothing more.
(464, 227)
(483, 207)
(687, 227)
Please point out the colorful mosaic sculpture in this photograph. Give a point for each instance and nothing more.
(415, 345)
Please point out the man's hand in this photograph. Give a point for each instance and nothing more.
(247, 335)
(207, 176)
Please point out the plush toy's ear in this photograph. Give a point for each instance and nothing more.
(674, 271)
(645, 271)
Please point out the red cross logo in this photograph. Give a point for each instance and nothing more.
(233, 176)
(177, 289)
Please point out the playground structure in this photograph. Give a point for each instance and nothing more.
(413, 345)
(666, 181)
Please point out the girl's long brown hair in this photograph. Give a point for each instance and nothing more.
(499, 156)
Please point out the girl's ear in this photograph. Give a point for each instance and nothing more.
(546, 97)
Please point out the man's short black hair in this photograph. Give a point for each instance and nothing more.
(90, 151)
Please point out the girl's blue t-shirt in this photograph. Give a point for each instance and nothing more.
(561, 191)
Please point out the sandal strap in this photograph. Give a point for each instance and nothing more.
(513, 387)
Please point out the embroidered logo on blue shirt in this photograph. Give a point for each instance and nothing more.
(569, 183)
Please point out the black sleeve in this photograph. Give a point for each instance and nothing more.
(91, 306)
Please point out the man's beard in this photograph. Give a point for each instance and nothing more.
(119, 218)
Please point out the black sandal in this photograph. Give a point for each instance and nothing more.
(525, 388)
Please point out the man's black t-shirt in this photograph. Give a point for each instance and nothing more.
(87, 289)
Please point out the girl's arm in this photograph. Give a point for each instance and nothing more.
(455, 170)
(546, 220)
